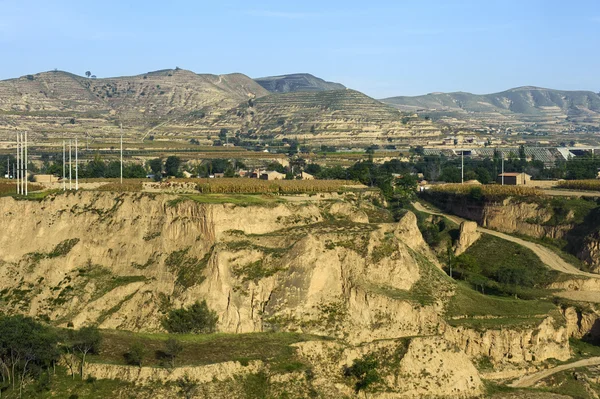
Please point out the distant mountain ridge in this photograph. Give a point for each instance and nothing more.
(526, 100)
(297, 82)
(153, 94)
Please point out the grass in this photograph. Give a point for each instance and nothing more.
(189, 269)
(505, 268)
(569, 210)
(62, 385)
(558, 247)
(582, 349)
(565, 383)
(254, 271)
(236, 199)
(198, 350)
(473, 309)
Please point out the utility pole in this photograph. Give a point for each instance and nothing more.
(18, 165)
(462, 167)
(121, 153)
(502, 169)
(64, 179)
(76, 168)
(26, 168)
(70, 165)
(22, 165)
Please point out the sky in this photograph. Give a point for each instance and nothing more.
(382, 48)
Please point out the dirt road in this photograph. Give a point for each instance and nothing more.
(546, 255)
(532, 379)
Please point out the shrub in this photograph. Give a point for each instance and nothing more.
(364, 372)
(136, 354)
(173, 348)
(197, 319)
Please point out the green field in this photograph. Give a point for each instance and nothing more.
(273, 348)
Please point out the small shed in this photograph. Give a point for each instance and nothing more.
(514, 179)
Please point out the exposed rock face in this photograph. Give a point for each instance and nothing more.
(468, 236)
(590, 252)
(546, 341)
(403, 367)
(145, 375)
(582, 324)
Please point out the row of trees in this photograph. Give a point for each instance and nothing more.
(30, 350)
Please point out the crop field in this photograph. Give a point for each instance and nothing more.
(257, 186)
(488, 191)
(10, 187)
(585, 185)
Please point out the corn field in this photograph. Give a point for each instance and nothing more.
(488, 191)
(7, 188)
(257, 186)
(586, 185)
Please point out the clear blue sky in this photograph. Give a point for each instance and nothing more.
(383, 48)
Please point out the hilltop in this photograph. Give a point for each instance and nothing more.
(297, 82)
(149, 95)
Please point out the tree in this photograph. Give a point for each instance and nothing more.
(136, 354)
(172, 165)
(86, 340)
(156, 166)
(364, 372)
(88, 74)
(197, 319)
(173, 348)
(26, 347)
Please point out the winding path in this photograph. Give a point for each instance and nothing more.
(553, 261)
(532, 379)
(546, 255)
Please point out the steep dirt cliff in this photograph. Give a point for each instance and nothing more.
(122, 261)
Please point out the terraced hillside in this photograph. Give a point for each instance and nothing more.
(297, 82)
(523, 106)
(60, 102)
(346, 117)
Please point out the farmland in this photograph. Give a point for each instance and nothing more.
(584, 185)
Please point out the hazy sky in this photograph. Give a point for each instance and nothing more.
(382, 48)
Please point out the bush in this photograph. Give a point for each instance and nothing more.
(197, 319)
(173, 348)
(364, 372)
(136, 354)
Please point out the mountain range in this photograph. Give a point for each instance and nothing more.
(181, 103)
(177, 103)
(545, 108)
